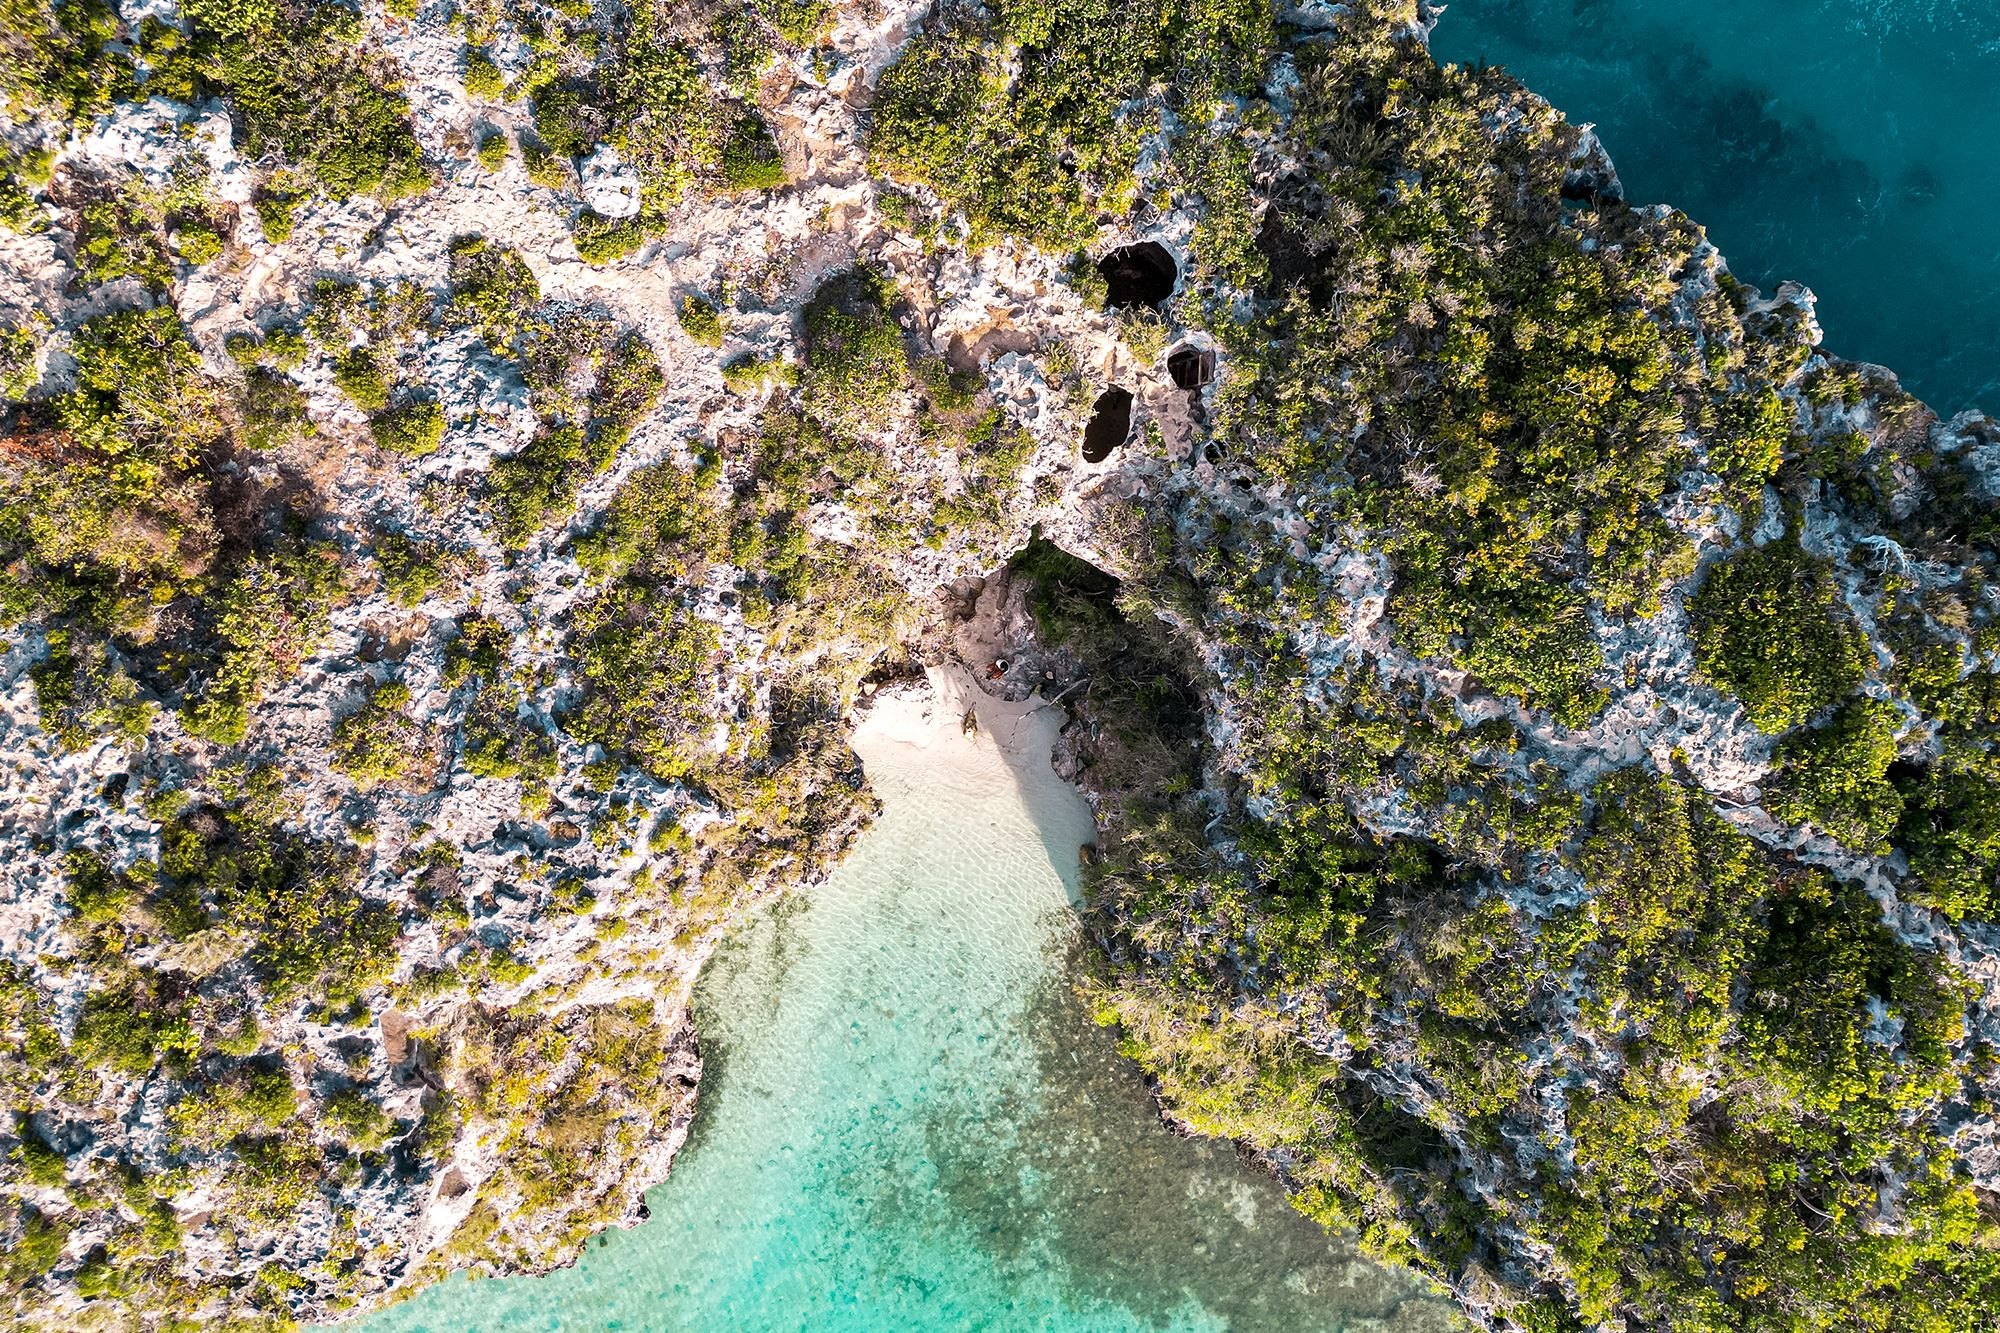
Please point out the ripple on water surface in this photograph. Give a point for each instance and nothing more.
(908, 1123)
(1847, 144)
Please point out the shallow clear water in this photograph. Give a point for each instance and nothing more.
(1852, 145)
(908, 1124)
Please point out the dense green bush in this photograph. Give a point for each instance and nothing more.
(273, 411)
(750, 160)
(81, 695)
(306, 88)
(540, 482)
(600, 240)
(358, 374)
(413, 429)
(131, 1030)
(493, 290)
(312, 935)
(1770, 627)
(700, 320)
(1835, 777)
(593, 382)
(492, 151)
(412, 570)
(644, 664)
(669, 124)
(1950, 831)
(855, 358)
(483, 78)
(500, 743)
(53, 58)
(1040, 153)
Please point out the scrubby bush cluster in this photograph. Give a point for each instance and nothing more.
(239, 920)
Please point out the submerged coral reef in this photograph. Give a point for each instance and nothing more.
(463, 462)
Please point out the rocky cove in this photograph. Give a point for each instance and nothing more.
(467, 465)
(908, 1122)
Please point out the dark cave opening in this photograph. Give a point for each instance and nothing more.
(1139, 275)
(1110, 423)
(1191, 367)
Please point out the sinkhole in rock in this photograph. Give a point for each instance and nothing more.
(1191, 367)
(1139, 275)
(1110, 423)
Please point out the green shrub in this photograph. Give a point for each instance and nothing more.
(667, 123)
(643, 662)
(602, 240)
(1834, 777)
(483, 78)
(274, 411)
(358, 374)
(492, 151)
(294, 899)
(855, 358)
(40, 1164)
(131, 1031)
(799, 22)
(245, 349)
(358, 1121)
(275, 214)
(545, 168)
(1950, 831)
(104, 511)
(20, 357)
(1770, 626)
(500, 743)
(411, 569)
(532, 486)
(494, 290)
(582, 371)
(268, 619)
(749, 372)
(38, 1249)
(285, 349)
(661, 519)
(700, 320)
(750, 160)
(81, 696)
(414, 429)
(198, 244)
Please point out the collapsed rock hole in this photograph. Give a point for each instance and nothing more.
(1191, 367)
(1110, 423)
(1139, 275)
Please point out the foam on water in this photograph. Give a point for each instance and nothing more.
(907, 1123)
(1852, 145)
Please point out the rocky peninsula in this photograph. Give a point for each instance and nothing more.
(463, 461)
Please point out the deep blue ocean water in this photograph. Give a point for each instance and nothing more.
(1852, 145)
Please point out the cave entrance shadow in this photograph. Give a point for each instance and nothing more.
(1139, 275)
(1110, 425)
(1191, 367)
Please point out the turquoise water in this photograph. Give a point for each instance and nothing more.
(1852, 145)
(907, 1123)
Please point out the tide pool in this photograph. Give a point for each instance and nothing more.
(1852, 145)
(908, 1123)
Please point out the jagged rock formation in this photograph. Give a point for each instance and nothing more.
(461, 464)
